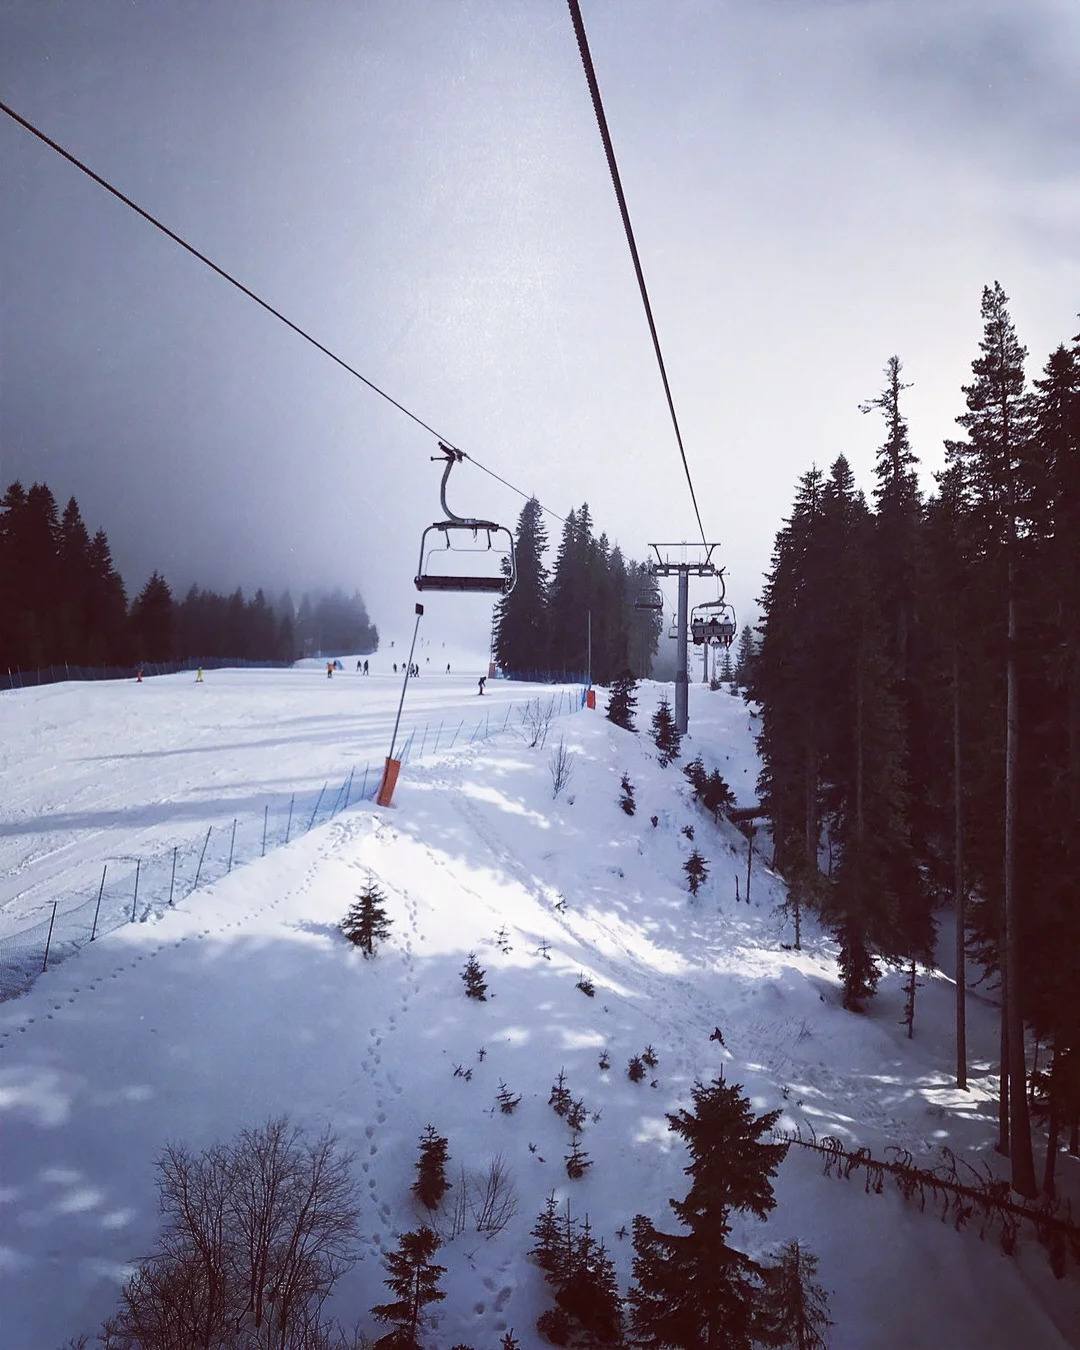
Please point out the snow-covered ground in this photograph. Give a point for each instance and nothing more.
(243, 1001)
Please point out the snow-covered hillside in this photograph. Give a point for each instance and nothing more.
(244, 1001)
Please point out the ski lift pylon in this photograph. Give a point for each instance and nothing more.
(456, 526)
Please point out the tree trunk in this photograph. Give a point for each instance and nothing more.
(1023, 1161)
(1053, 1131)
(1003, 1077)
(958, 884)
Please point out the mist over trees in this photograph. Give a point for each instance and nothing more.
(555, 618)
(63, 603)
(919, 682)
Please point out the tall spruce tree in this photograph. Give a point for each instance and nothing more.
(152, 620)
(521, 636)
(996, 462)
(414, 1277)
(693, 1290)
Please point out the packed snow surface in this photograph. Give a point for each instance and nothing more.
(243, 1001)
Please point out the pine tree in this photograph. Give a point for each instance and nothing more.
(431, 1184)
(577, 1160)
(626, 799)
(795, 1310)
(997, 464)
(473, 976)
(693, 1291)
(622, 701)
(152, 620)
(696, 869)
(521, 618)
(560, 1098)
(666, 735)
(413, 1277)
(366, 922)
(744, 657)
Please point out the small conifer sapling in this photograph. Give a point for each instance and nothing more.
(431, 1184)
(473, 976)
(696, 869)
(366, 922)
(414, 1277)
(635, 1070)
(626, 800)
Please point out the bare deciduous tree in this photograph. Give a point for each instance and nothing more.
(257, 1232)
(535, 722)
(492, 1196)
(561, 765)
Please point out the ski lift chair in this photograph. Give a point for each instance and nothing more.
(454, 529)
(699, 626)
(650, 598)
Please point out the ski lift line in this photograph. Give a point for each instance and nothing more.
(226, 276)
(609, 150)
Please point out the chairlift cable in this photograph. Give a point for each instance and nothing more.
(326, 351)
(609, 150)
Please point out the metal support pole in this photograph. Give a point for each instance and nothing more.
(506, 719)
(681, 691)
(363, 786)
(202, 855)
(749, 857)
(135, 897)
(97, 907)
(348, 788)
(405, 682)
(288, 823)
(460, 725)
(438, 732)
(48, 940)
(318, 803)
(172, 879)
(232, 843)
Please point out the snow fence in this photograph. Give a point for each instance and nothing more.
(130, 889)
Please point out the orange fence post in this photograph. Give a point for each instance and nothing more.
(389, 782)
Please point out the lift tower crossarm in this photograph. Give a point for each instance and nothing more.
(665, 566)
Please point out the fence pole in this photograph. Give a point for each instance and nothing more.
(318, 803)
(135, 897)
(232, 843)
(460, 725)
(97, 907)
(348, 788)
(202, 855)
(506, 719)
(487, 731)
(435, 748)
(423, 741)
(363, 786)
(288, 824)
(48, 940)
(266, 812)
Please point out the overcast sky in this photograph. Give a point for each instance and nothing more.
(815, 185)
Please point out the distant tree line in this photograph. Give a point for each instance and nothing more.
(919, 682)
(547, 620)
(62, 602)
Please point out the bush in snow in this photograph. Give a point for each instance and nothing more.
(366, 922)
(431, 1184)
(473, 976)
(666, 735)
(586, 986)
(635, 1070)
(626, 801)
(648, 1056)
(605, 1059)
